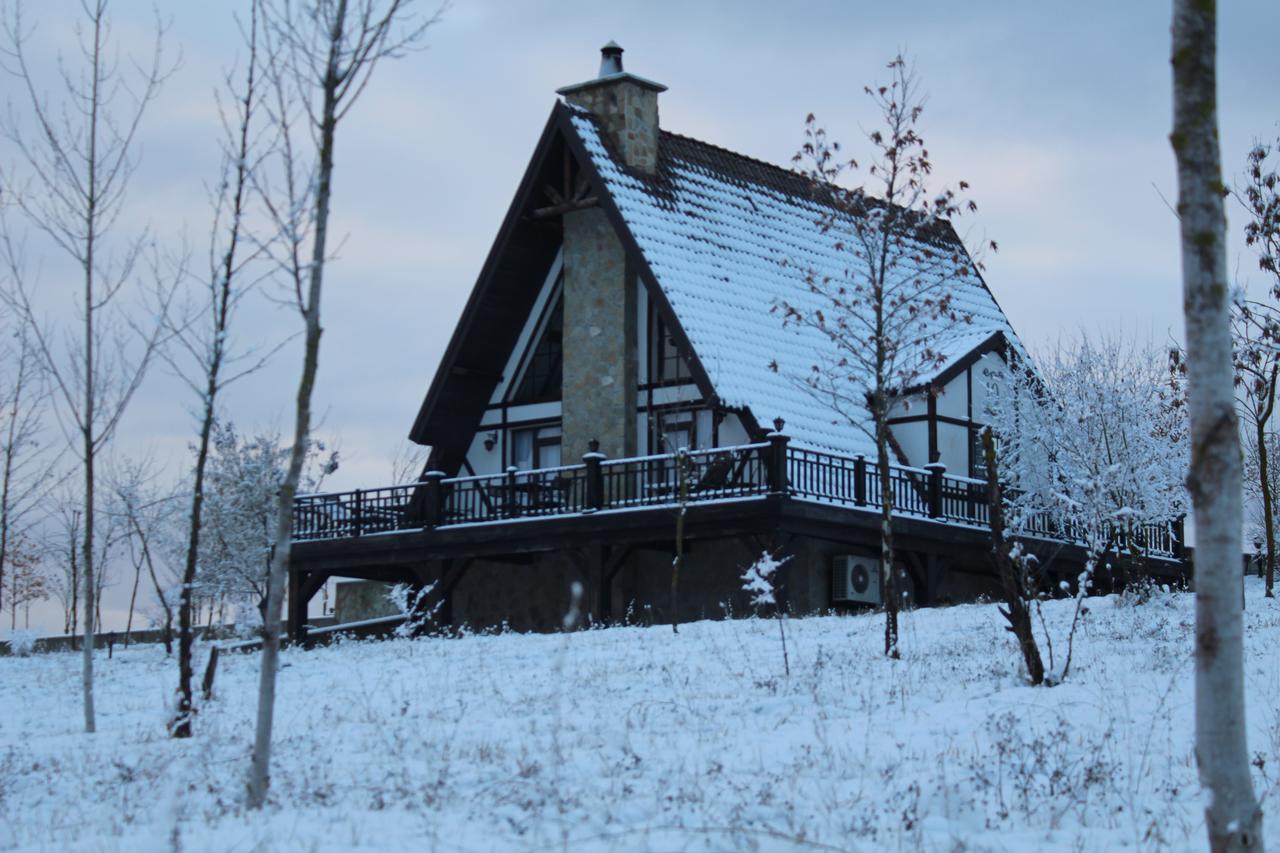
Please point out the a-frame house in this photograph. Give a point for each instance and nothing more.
(624, 315)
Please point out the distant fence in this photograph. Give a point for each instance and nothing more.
(146, 636)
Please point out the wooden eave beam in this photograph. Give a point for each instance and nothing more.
(565, 207)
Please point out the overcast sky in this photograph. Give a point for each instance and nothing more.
(1056, 113)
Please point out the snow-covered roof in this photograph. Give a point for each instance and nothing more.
(727, 237)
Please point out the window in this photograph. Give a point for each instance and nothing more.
(977, 455)
(535, 448)
(544, 369)
(669, 364)
(674, 430)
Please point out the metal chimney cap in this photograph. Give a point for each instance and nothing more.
(610, 73)
(610, 59)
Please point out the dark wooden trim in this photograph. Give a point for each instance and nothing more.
(995, 342)
(565, 207)
(933, 426)
(471, 312)
(942, 419)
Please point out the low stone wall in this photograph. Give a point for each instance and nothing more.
(112, 639)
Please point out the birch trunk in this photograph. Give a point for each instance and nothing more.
(87, 422)
(1232, 815)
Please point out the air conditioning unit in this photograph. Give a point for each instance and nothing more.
(855, 579)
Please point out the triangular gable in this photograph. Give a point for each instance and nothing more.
(475, 362)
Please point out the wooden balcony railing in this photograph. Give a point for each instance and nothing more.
(599, 484)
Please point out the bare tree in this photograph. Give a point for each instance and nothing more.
(141, 509)
(79, 156)
(407, 461)
(1233, 817)
(26, 581)
(886, 314)
(26, 473)
(63, 544)
(321, 54)
(203, 355)
(1255, 329)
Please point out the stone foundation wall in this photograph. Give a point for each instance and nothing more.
(355, 601)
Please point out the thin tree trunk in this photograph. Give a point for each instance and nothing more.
(8, 477)
(164, 604)
(181, 725)
(1268, 508)
(259, 773)
(133, 600)
(87, 426)
(888, 577)
(1232, 816)
(1015, 593)
(682, 475)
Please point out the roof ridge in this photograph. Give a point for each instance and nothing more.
(783, 170)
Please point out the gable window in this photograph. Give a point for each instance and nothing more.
(543, 370)
(538, 447)
(977, 454)
(675, 430)
(669, 364)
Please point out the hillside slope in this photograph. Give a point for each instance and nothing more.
(638, 739)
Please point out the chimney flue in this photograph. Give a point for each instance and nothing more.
(610, 59)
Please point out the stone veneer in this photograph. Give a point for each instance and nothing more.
(627, 109)
(599, 387)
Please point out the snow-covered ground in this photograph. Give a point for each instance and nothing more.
(637, 739)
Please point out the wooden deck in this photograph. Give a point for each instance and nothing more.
(601, 510)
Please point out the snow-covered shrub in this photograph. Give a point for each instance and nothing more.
(1095, 444)
(241, 485)
(22, 643)
(409, 601)
(758, 581)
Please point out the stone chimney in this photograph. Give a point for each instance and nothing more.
(626, 107)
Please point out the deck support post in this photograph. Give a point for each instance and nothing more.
(936, 470)
(433, 499)
(777, 463)
(296, 618)
(860, 480)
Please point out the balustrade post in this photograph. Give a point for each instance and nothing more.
(357, 520)
(1178, 547)
(595, 477)
(777, 463)
(936, 470)
(512, 497)
(860, 480)
(433, 494)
